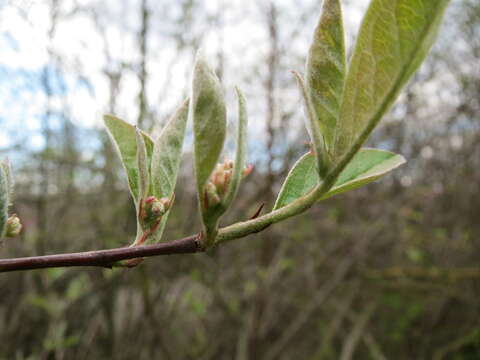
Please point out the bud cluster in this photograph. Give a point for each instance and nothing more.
(14, 226)
(217, 185)
(152, 209)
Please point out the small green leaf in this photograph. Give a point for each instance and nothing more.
(4, 200)
(367, 165)
(313, 128)
(167, 153)
(209, 126)
(325, 71)
(5, 164)
(241, 153)
(394, 38)
(302, 178)
(142, 165)
(124, 137)
(209, 120)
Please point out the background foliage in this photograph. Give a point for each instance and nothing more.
(386, 271)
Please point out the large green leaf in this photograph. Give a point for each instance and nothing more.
(241, 153)
(394, 38)
(209, 121)
(167, 153)
(124, 138)
(367, 165)
(325, 72)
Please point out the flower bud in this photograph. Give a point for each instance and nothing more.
(228, 165)
(217, 185)
(212, 198)
(14, 226)
(154, 209)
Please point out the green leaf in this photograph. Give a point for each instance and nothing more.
(209, 120)
(124, 137)
(313, 127)
(4, 200)
(367, 165)
(142, 165)
(5, 164)
(325, 72)
(394, 38)
(302, 178)
(209, 126)
(241, 153)
(167, 153)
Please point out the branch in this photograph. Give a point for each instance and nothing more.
(102, 258)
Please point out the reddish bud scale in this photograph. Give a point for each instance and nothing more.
(248, 170)
(217, 186)
(212, 197)
(152, 209)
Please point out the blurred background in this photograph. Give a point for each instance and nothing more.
(388, 271)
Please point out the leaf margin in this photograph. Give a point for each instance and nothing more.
(127, 156)
(366, 177)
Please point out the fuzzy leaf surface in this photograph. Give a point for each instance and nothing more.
(325, 72)
(302, 178)
(209, 120)
(367, 165)
(4, 200)
(394, 38)
(124, 137)
(5, 164)
(313, 128)
(143, 166)
(167, 153)
(241, 153)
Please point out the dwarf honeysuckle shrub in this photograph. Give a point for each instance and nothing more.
(343, 104)
(342, 108)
